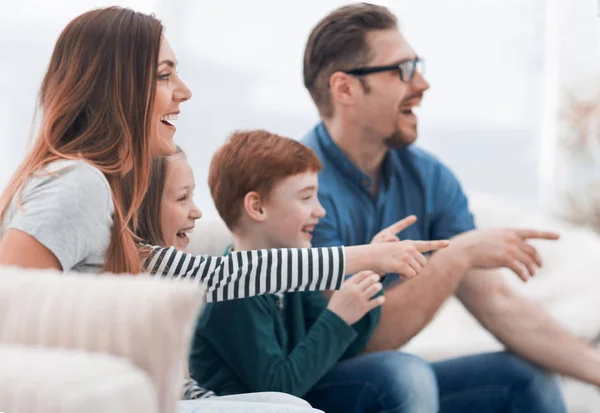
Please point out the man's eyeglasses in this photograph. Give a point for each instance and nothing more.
(406, 69)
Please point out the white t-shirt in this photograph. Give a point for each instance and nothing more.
(68, 208)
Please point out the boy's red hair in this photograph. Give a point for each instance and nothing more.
(254, 161)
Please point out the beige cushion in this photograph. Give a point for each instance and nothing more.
(210, 237)
(40, 380)
(146, 320)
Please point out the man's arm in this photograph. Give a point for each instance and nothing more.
(410, 306)
(525, 328)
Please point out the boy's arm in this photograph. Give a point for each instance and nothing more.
(314, 303)
(248, 273)
(243, 332)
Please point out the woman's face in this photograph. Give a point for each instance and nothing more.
(178, 212)
(170, 92)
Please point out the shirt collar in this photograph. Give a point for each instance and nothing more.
(341, 161)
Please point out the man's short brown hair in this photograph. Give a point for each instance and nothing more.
(339, 42)
(254, 161)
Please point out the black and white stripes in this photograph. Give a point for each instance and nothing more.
(248, 273)
(193, 391)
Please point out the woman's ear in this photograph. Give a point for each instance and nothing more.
(253, 207)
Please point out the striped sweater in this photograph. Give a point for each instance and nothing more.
(245, 274)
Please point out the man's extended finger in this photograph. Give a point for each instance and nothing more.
(535, 234)
(401, 225)
(426, 246)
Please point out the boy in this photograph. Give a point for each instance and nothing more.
(288, 343)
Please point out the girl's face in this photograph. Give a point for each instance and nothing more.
(170, 92)
(178, 212)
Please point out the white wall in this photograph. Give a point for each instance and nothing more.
(573, 70)
(485, 61)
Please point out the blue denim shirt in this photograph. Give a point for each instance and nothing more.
(412, 182)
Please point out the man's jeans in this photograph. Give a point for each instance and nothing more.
(390, 382)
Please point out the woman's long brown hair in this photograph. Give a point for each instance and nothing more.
(96, 102)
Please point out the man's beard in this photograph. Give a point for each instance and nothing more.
(397, 140)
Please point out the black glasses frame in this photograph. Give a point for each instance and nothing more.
(406, 68)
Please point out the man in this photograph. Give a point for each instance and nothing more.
(365, 80)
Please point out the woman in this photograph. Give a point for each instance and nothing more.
(107, 102)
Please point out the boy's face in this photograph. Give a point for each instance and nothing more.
(292, 210)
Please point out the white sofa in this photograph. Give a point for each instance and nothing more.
(73, 343)
(568, 287)
(60, 343)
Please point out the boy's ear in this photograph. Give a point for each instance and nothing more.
(253, 206)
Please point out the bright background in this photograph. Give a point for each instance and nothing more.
(486, 60)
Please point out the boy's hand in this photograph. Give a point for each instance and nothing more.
(406, 257)
(400, 257)
(355, 298)
(389, 234)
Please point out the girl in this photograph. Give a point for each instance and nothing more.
(167, 216)
(108, 102)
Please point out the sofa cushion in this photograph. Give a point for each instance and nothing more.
(143, 319)
(210, 237)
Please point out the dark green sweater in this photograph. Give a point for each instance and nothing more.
(252, 345)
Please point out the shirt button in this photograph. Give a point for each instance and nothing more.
(365, 182)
